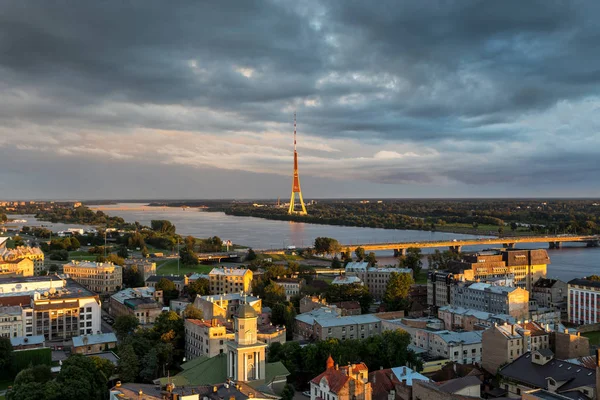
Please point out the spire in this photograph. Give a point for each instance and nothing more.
(330, 363)
(296, 181)
(294, 131)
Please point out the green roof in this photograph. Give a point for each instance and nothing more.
(211, 371)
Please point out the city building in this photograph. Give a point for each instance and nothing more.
(145, 303)
(394, 383)
(439, 287)
(96, 276)
(246, 355)
(490, 298)
(144, 267)
(224, 390)
(11, 321)
(526, 266)
(460, 318)
(346, 280)
(348, 382)
(539, 369)
(467, 387)
(180, 281)
(582, 301)
(350, 307)
(94, 344)
(225, 307)
(327, 322)
(460, 347)
(16, 267)
(230, 280)
(376, 279)
(310, 303)
(292, 286)
(550, 293)
(28, 342)
(34, 254)
(54, 306)
(505, 343)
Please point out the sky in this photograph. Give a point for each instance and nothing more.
(187, 99)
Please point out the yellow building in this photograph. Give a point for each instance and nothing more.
(34, 254)
(526, 266)
(16, 267)
(98, 277)
(230, 280)
(246, 360)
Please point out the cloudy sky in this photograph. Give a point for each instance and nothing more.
(155, 99)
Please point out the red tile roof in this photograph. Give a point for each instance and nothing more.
(336, 379)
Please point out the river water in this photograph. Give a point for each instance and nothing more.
(572, 261)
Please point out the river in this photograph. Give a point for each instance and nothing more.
(572, 261)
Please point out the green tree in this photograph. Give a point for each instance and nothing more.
(397, 290)
(251, 256)
(288, 392)
(325, 245)
(188, 257)
(18, 241)
(169, 289)
(123, 253)
(74, 244)
(128, 364)
(5, 353)
(284, 313)
(335, 263)
(500, 231)
(355, 291)
(199, 287)
(412, 260)
(144, 251)
(360, 253)
(441, 260)
(346, 256)
(103, 366)
(133, 277)
(274, 294)
(125, 325)
(371, 259)
(192, 312)
(514, 226)
(80, 379)
(150, 366)
(162, 226)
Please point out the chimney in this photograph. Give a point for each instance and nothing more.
(403, 371)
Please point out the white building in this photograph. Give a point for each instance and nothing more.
(98, 277)
(376, 279)
(460, 347)
(346, 280)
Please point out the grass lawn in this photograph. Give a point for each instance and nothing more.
(5, 384)
(593, 336)
(78, 253)
(280, 257)
(168, 267)
(422, 277)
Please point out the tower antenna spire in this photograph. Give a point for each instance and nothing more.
(296, 181)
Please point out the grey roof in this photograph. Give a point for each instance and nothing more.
(27, 340)
(470, 337)
(454, 385)
(348, 320)
(534, 375)
(584, 282)
(94, 339)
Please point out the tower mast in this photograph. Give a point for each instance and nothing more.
(296, 181)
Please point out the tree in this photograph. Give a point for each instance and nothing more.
(199, 287)
(274, 294)
(192, 312)
(162, 226)
(335, 263)
(397, 290)
(112, 258)
(80, 379)
(123, 253)
(169, 289)
(125, 325)
(288, 392)
(104, 366)
(355, 291)
(74, 244)
(346, 256)
(441, 260)
(360, 253)
(412, 260)
(325, 245)
(514, 226)
(371, 259)
(144, 251)
(501, 231)
(169, 329)
(251, 255)
(284, 314)
(188, 257)
(5, 353)
(18, 241)
(53, 268)
(128, 364)
(132, 276)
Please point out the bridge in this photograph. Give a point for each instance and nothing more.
(217, 257)
(554, 242)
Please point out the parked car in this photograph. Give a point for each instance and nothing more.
(306, 393)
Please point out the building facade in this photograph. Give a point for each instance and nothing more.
(94, 344)
(582, 301)
(180, 282)
(145, 268)
(246, 355)
(225, 307)
(11, 321)
(144, 303)
(292, 286)
(460, 347)
(98, 277)
(16, 267)
(439, 287)
(491, 298)
(349, 382)
(35, 254)
(230, 280)
(376, 279)
(550, 293)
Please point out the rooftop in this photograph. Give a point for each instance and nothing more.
(346, 280)
(471, 337)
(571, 375)
(584, 282)
(27, 340)
(311, 316)
(91, 264)
(46, 287)
(491, 288)
(405, 373)
(88, 340)
(230, 297)
(455, 385)
(329, 322)
(545, 283)
(357, 265)
(229, 271)
(131, 293)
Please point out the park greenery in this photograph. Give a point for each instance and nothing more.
(390, 349)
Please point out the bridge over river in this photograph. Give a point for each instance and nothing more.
(554, 242)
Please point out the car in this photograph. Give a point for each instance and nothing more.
(306, 393)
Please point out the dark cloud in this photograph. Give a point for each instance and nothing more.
(464, 78)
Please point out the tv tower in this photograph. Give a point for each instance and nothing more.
(296, 181)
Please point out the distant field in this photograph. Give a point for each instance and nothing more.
(593, 336)
(484, 230)
(168, 267)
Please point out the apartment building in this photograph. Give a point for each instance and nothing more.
(526, 266)
(505, 343)
(582, 301)
(11, 321)
(460, 347)
(327, 322)
(96, 276)
(439, 287)
(144, 267)
(491, 298)
(94, 344)
(460, 318)
(376, 279)
(550, 293)
(292, 286)
(16, 267)
(53, 306)
(35, 254)
(145, 303)
(230, 280)
(224, 307)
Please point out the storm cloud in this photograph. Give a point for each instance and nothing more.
(403, 99)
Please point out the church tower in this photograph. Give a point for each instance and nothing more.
(296, 182)
(245, 354)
